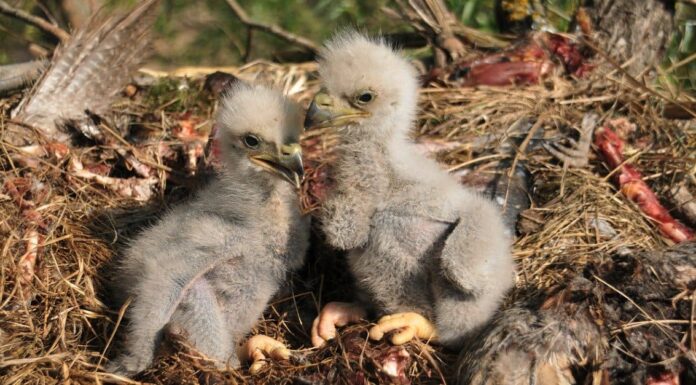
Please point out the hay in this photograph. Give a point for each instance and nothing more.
(55, 326)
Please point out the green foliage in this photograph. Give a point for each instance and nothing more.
(476, 13)
(481, 14)
(207, 32)
(680, 63)
(559, 13)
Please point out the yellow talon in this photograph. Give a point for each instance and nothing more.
(257, 348)
(333, 315)
(409, 325)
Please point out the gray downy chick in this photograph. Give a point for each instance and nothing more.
(210, 266)
(420, 244)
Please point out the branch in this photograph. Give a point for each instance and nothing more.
(271, 28)
(433, 20)
(37, 22)
(631, 79)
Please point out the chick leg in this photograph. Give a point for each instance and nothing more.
(334, 314)
(197, 313)
(475, 271)
(159, 290)
(410, 326)
(258, 347)
(200, 315)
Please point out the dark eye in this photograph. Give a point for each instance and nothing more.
(251, 141)
(365, 97)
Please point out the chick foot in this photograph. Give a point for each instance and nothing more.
(257, 348)
(334, 314)
(410, 326)
(577, 154)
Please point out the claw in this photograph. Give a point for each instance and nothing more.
(569, 156)
(334, 314)
(573, 144)
(409, 326)
(258, 347)
(577, 153)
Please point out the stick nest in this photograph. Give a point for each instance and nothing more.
(55, 324)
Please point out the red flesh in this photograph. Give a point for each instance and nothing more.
(634, 188)
(504, 74)
(524, 64)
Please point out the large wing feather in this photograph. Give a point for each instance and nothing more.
(89, 70)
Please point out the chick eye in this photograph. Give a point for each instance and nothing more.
(365, 97)
(251, 141)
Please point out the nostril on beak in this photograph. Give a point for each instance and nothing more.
(290, 149)
(322, 99)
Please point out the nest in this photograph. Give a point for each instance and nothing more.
(62, 224)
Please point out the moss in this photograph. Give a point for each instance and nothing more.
(174, 95)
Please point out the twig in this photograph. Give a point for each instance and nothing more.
(521, 151)
(682, 62)
(37, 22)
(121, 313)
(434, 21)
(271, 28)
(632, 80)
(33, 360)
(645, 313)
(248, 45)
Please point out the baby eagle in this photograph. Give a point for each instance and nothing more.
(429, 255)
(209, 267)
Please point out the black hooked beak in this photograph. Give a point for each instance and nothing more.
(287, 165)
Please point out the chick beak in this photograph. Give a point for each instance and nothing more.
(324, 111)
(287, 165)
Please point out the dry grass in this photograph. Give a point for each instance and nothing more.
(56, 328)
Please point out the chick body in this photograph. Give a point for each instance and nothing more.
(210, 266)
(418, 241)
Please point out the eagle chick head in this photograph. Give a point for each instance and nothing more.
(258, 131)
(367, 84)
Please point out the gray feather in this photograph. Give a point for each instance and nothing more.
(89, 70)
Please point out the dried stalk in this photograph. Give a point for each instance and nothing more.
(37, 22)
